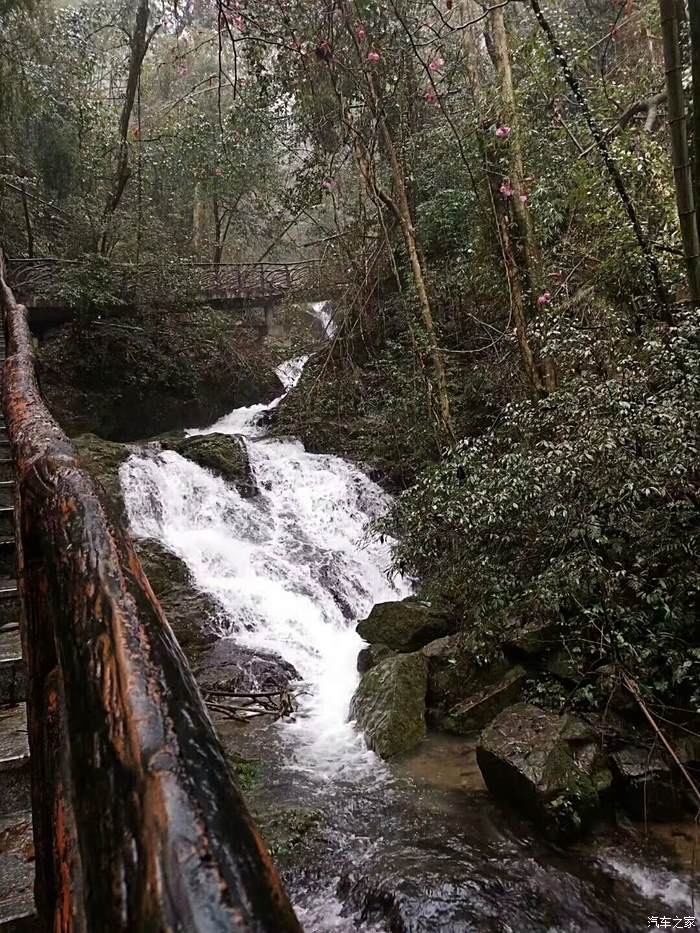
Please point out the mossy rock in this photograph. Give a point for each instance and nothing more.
(480, 708)
(550, 766)
(405, 626)
(288, 829)
(389, 704)
(370, 656)
(455, 673)
(192, 614)
(224, 454)
(103, 459)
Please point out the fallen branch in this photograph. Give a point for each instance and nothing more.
(632, 687)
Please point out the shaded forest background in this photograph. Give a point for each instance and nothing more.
(510, 189)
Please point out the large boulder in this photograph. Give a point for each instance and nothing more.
(649, 787)
(192, 614)
(481, 707)
(405, 626)
(456, 672)
(224, 454)
(232, 668)
(370, 656)
(144, 375)
(103, 459)
(389, 704)
(549, 765)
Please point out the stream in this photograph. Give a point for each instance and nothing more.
(410, 847)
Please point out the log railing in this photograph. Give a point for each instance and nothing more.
(138, 824)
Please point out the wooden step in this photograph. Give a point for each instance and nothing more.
(7, 467)
(8, 557)
(7, 493)
(9, 607)
(17, 912)
(14, 760)
(13, 672)
(7, 521)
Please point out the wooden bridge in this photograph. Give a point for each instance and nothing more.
(138, 825)
(37, 282)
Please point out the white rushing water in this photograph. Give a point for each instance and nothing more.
(291, 568)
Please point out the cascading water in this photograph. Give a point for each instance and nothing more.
(292, 570)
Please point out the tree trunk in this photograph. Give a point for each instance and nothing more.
(694, 14)
(139, 42)
(677, 121)
(523, 218)
(27, 223)
(610, 163)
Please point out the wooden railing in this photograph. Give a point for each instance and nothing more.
(210, 281)
(138, 824)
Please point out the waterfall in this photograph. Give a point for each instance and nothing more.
(292, 568)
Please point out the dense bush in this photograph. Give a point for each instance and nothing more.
(586, 505)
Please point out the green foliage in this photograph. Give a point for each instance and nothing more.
(587, 505)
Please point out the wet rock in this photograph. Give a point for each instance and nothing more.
(235, 669)
(405, 626)
(476, 711)
(549, 765)
(370, 656)
(103, 459)
(530, 635)
(223, 454)
(183, 376)
(389, 704)
(192, 614)
(648, 786)
(288, 829)
(455, 673)
(564, 667)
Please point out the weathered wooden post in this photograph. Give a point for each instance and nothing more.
(138, 824)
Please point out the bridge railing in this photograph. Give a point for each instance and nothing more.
(245, 281)
(138, 824)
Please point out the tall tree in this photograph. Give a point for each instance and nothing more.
(139, 41)
(677, 121)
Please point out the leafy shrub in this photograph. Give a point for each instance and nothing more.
(585, 505)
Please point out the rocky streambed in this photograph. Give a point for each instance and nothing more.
(462, 827)
(563, 770)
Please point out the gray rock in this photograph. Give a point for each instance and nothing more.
(550, 766)
(231, 667)
(223, 454)
(389, 704)
(649, 787)
(455, 673)
(103, 459)
(405, 626)
(476, 711)
(191, 613)
(370, 656)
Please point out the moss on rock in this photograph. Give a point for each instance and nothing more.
(549, 765)
(404, 626)
(223, 454)
(389, 704)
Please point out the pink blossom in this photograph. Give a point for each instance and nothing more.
(523, 199)
(437, 64)
(361, 32)
(431, 97)
(503, 132)
(506, 189)
(544, 299)
(373, 57)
